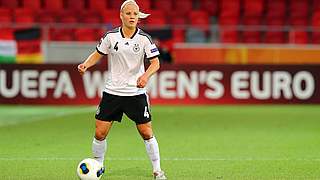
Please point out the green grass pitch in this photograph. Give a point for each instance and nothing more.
(196, 142)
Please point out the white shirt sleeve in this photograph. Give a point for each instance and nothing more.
(104, 45)
(151, 50)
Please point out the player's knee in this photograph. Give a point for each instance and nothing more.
(100, 134)
(146, 134)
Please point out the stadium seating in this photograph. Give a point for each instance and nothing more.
(111, 17)
(144, 5)
(6, 33)
(46, 17)
(75, 4)
(158, 18)
(298, 37)
(230, 12)
(229, 36)
(182, 8)
(163, 5)
(210, 6)
(5, 15)
(68, 17)
(89, 17)
(251, 36)
(97, 5)
(53, 5)
(275, 37)
(61, 34)
(115, 4)
(199, 19)
(24, 16)
(85, 34)
(31, 4)
(299, 11)
(10, 4)
(226, 14)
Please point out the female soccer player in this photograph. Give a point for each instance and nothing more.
(125, 91)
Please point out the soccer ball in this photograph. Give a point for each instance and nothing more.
(90, 169)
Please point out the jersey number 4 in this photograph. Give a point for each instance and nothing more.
(116, 47)
(146, 113)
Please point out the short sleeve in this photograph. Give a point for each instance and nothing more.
(151, 50)
(104, 45)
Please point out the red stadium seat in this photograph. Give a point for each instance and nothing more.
(68, 17)
(276, 8)
(210, 6)
(89, 17)
(275, 21)
(315, 5)
(230, 8)
(316, 27)
(115, 4)
(111, 17)
(199, 19)
(299, 21)
(178, 35)
(5, 15)
(229, 36)
(156, 13)
(230, 12)
(10, 4)
(315, 37)
(157, 18)
(252, 20)
(229, 20)
(299, 11)
(178, 21)
(276, 11)
(46, 17)
(6, 33)
(53, 5)
(315, 21)
(298, 37)
(299, 8)
(251, 37)
(31, 4)
(61, 34)
(183, 7)
(85, 34)
(22, 15)
(98, 5)
(144, 5)
(275, 37)
(163, 5)
(157, 21)
(75, 4)
(253, 8)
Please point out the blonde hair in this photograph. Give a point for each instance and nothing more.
(141, 14)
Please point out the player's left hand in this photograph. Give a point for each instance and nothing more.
(142, 81)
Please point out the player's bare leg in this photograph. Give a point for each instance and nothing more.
(99, 144)
(152, 148)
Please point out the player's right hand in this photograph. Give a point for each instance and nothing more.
(82, 68)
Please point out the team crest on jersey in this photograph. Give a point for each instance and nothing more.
(136, 48)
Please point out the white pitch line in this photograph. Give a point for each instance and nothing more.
(164, 159)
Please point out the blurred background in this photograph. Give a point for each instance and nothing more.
(217, 37)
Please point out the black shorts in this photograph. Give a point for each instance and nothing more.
(112, 107)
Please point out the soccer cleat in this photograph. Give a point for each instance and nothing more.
(100, 172)
(159, 175)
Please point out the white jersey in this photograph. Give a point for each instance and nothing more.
(126, 60)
